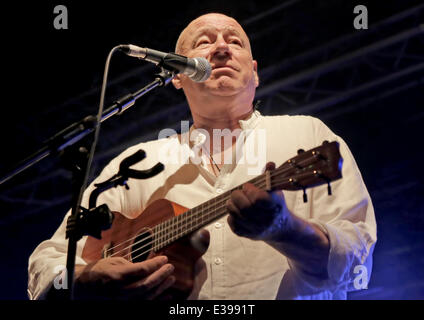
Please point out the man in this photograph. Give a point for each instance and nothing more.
(272, 245)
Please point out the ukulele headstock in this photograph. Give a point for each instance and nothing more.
(311, 168)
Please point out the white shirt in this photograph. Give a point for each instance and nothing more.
(237, 267)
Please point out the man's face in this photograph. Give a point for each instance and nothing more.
(222, 41)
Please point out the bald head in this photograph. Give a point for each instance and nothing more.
(184, 42)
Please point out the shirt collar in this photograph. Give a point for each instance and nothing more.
(251, 122)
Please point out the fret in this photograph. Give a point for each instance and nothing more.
(177, 226)
(175, 232)
(182, 224)
(157, 236)
(167, 233)
(189, 223)
(200, 214)
(154, 239)
(173, 228)
(162, 231)
(160, 234)
(190, 216)
(170, 229)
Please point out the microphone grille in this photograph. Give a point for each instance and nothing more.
(203, 70)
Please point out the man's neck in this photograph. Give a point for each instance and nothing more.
(226, 119)
(220, 112)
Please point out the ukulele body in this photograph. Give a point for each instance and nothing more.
(129, 238)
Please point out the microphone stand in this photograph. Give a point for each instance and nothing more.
(75, 159)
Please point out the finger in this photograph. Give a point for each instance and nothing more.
(236, 213)
(143, 285)
(230, 221)
(236, 226)
(239, 199)
(255, 195)
(232, 209)
(161, 288)
(235, 219)
(117, 261)
(144, 268)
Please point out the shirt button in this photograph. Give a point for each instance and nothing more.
(219, 190)
(218, 261)
(199, 139)
(218, 225)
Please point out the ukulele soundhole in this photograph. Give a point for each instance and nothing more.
(142, 246)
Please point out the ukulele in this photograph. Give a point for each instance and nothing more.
(166, 228)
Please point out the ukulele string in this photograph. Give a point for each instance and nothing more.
(273, 174)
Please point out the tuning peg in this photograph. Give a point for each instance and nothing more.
(325, 142)
(295, 183)
(294, 164)
(318, 155)
(329, 188)
(300, 151)
(319, 174)
(305, 196)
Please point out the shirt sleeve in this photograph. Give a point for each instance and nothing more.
(347, 218)
(47, 263)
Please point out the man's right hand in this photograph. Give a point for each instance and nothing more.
(117, 278)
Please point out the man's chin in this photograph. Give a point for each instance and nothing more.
(224, 86)
(224, 92)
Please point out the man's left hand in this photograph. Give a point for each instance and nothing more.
(257, 214)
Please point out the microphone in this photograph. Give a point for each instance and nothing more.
(197, 69)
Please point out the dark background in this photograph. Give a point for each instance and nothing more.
(366, 85)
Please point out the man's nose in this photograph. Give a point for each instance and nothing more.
(221, 49)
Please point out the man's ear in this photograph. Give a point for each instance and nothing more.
(255, 70)
(176, 81)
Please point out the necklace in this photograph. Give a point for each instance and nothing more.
(213, 163)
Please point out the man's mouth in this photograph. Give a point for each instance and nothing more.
(223, 67)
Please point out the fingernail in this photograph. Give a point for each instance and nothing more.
(163, 259)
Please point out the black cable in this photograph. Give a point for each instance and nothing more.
(75, 236)
(98, 122)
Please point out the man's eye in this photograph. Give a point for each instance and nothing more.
(202, 42)
(236, 42)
